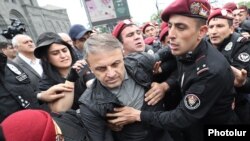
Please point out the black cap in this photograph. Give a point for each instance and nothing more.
(45, 40)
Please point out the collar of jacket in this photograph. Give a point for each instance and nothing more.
(103, 95)
(191, 56)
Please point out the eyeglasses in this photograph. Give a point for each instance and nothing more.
(59, 135)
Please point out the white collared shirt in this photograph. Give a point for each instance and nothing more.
(35, 64)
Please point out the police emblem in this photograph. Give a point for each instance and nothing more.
(150, 51)
(195, 8)
(14, 69)
(244, 57)
(229, 46)
(192, 101)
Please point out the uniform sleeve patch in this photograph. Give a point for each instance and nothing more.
(191, 101)
(244, 57)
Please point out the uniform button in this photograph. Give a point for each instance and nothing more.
(204, 65)
(23, 104)
(198, 68)
(22, 100)
(19, 97)
(26, 102)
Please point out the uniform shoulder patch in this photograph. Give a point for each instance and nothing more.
(14, 69)
(201, 65)
(229, 46)
(192, 101)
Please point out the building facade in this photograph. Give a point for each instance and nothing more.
(36, 19)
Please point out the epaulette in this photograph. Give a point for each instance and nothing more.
(201, 65)
(241, 39)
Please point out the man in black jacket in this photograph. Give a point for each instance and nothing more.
(204, 77)
(119, 82)
(236, 50)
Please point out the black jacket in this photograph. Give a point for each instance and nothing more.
(206, 82)
(237, 52)
(16, 92)
(98, 101)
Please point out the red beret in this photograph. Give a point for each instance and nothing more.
(29, 125)
(163, 33)
(163, 25)
(223, 13)
(120, 26)
(146, 25)
(191, 8)
(149, 40)
(230, 5)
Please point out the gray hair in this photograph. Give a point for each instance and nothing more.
(100, 43)
(15, 40)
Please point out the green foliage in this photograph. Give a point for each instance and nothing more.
(156, 17)
(247, 3)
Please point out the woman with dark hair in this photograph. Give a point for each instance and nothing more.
(57, 59)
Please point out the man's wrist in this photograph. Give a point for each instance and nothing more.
(138, 116)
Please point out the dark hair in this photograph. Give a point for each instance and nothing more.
(50, 70)
(200, 22)
(120, 35)
(4, 45)
(229, 21)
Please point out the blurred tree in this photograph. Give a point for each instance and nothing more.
(156, 17)
(247, 3)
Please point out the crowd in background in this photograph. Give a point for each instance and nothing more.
(161, 81)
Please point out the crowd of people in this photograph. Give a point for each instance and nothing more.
(159, 82)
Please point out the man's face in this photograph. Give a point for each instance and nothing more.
(150, 31)
(25, 44)
(80, 42)
(239, 16)
(108, 67)
(183, 34)
(10, 52)
(132, 40)
(218, 30)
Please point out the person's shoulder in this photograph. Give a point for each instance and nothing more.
(87, 96)
(212, 62)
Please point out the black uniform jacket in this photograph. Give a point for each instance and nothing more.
(16, 92)
(98, 101)
(236, 50)
(206, 83)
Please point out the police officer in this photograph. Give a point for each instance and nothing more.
(16, 91)
(236, 50)
(204, 76)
